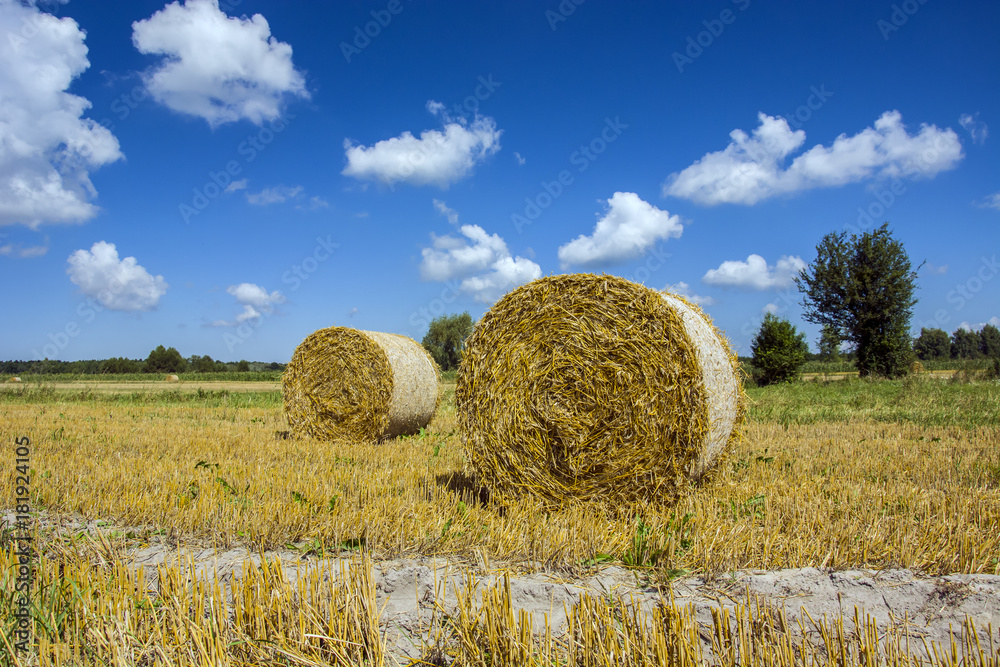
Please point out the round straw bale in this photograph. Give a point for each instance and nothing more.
(586, 387)
(14, 379)
(172, 378)
(360, 385)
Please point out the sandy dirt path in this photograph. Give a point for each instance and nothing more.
(409, 590)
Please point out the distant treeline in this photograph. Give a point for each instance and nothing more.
(159, 360)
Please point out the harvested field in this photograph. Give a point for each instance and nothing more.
(159, 385)
(895, 486)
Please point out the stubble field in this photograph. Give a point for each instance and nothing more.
(845, 475)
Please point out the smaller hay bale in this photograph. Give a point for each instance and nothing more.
(342, 383)
(14, 379)
(172, 378)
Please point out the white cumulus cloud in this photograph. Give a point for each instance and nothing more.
(505, 274)
(47, 148)
(684, 290)
(438, 157)
(254, 295)
(255, 301)
(453, 257)
(629, 228)
(995, 321)
(481, 261)
(215, 66)
(750, 168)
(755, 274)
(117, 284)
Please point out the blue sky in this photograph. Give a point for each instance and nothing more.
(227, 178)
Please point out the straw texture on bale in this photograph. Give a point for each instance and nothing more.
(360, 385)
(172, 378)
(586, 387)
(14, 379)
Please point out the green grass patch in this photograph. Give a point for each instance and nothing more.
(231, 376)
(927, 401)
(44, 394)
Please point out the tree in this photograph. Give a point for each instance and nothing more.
(829, 343)
(445, 339)
(964, 344)
(202, 364)
(989, 341)
(120, 365)
(932, 344)
(778, 351)
(243, 366)
(864, 287)
(164, 360)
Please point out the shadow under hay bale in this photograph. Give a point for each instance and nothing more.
(585, 387)
(467, 487)
(343, 383)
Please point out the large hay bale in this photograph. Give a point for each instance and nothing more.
(14, 379)
(172, 378)
(585, 387)
(360, 385)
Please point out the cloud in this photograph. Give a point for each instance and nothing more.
(628, 229)
(248, 314)
(236, 185)
(995, 321)
(772, 308)
(506, 273)
(19, 251)
(437, 158)
(484, 266)
(116, 284)
(977, 129)
(47, 148)
(935, 270)
(755, 274)
(352, 312)
(991, 201)
(276, 195)
(315, 203)
(450, 213)
(451, 257)
(254, 295)
(217, 67)
(750, 168)
(255, 301)
(519, 159)
(684, 290)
